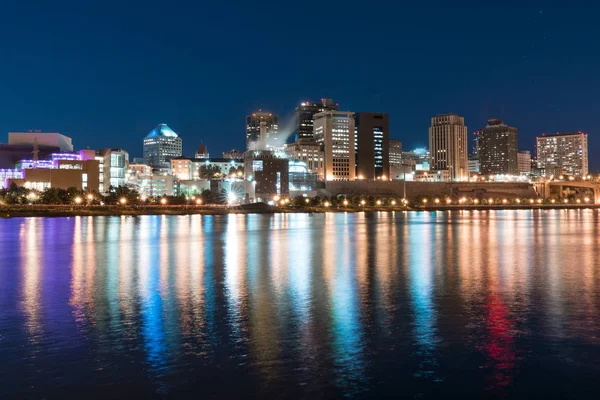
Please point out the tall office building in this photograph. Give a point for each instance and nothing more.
(262, 131)
(497, 149)
(567, 152)
(334, 131)
(449, 146)
(305, 114)
(371, 145)
(160, 146)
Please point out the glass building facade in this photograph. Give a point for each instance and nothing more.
(160, 146)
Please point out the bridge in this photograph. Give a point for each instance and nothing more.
(561, 189)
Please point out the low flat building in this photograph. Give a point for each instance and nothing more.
(432, 176)
(78, 174)
(49, 139)
(310, 152)
(157, 185)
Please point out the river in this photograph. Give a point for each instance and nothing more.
(366, 305)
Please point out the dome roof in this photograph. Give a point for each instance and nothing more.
(162, 130)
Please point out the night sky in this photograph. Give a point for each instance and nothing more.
(106, 74)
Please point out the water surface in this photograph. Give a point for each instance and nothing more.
(418, 305)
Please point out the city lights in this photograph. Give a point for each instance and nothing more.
(163, 201)
(198, 201)
(78, 200)
(123, 200)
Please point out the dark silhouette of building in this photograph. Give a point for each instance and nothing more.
(305, 114)
(372, 145)
(268, 173)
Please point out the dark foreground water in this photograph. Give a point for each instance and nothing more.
(416, 305)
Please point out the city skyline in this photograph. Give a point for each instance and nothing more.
(110, 95)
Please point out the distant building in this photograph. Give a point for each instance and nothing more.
(449, 146)
(431, 176)
(115, 166)
(158, 185)
(262, 131)
(334, 131)
(233, 155)
(64, 143)
(371, 145)
(192, 168)
(305, 114)
(267, 174)
(160, 146)
(524, 162)
(417, 159)
(202, 151)
(497, 149)
(474, 165)
(567, 151)
(395, 153)
(309, 152)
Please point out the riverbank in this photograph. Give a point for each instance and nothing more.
(71, 211)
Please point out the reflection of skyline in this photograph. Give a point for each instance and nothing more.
(296, 294)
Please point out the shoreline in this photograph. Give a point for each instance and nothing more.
(46, 211)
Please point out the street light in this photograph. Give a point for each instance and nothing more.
(378, 202)
(198, 201)
(326, 204)
(123, 200)
(345, 202)
(78, 200)
(163, 201)
(90, 197)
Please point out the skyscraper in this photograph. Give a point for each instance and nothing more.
(334, 131)
(497, 149)
(371, 144)
(262, 131)
(305, 114)
(449, 146)
(160, 146)
(565, 151)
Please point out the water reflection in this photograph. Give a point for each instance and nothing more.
(300, 305)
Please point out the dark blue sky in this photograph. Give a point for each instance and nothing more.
(107, 73)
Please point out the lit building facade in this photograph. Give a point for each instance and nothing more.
(497, 149)
(565, 151)
(191, 168)
(524, 162)
(160, 146)
(395, 153)
(449, 146)
(371, 145)
(115, 165)
(262, 131)
(305, 114)
(67, 173)
(334, 131)
(157, 185)
(308, 151)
